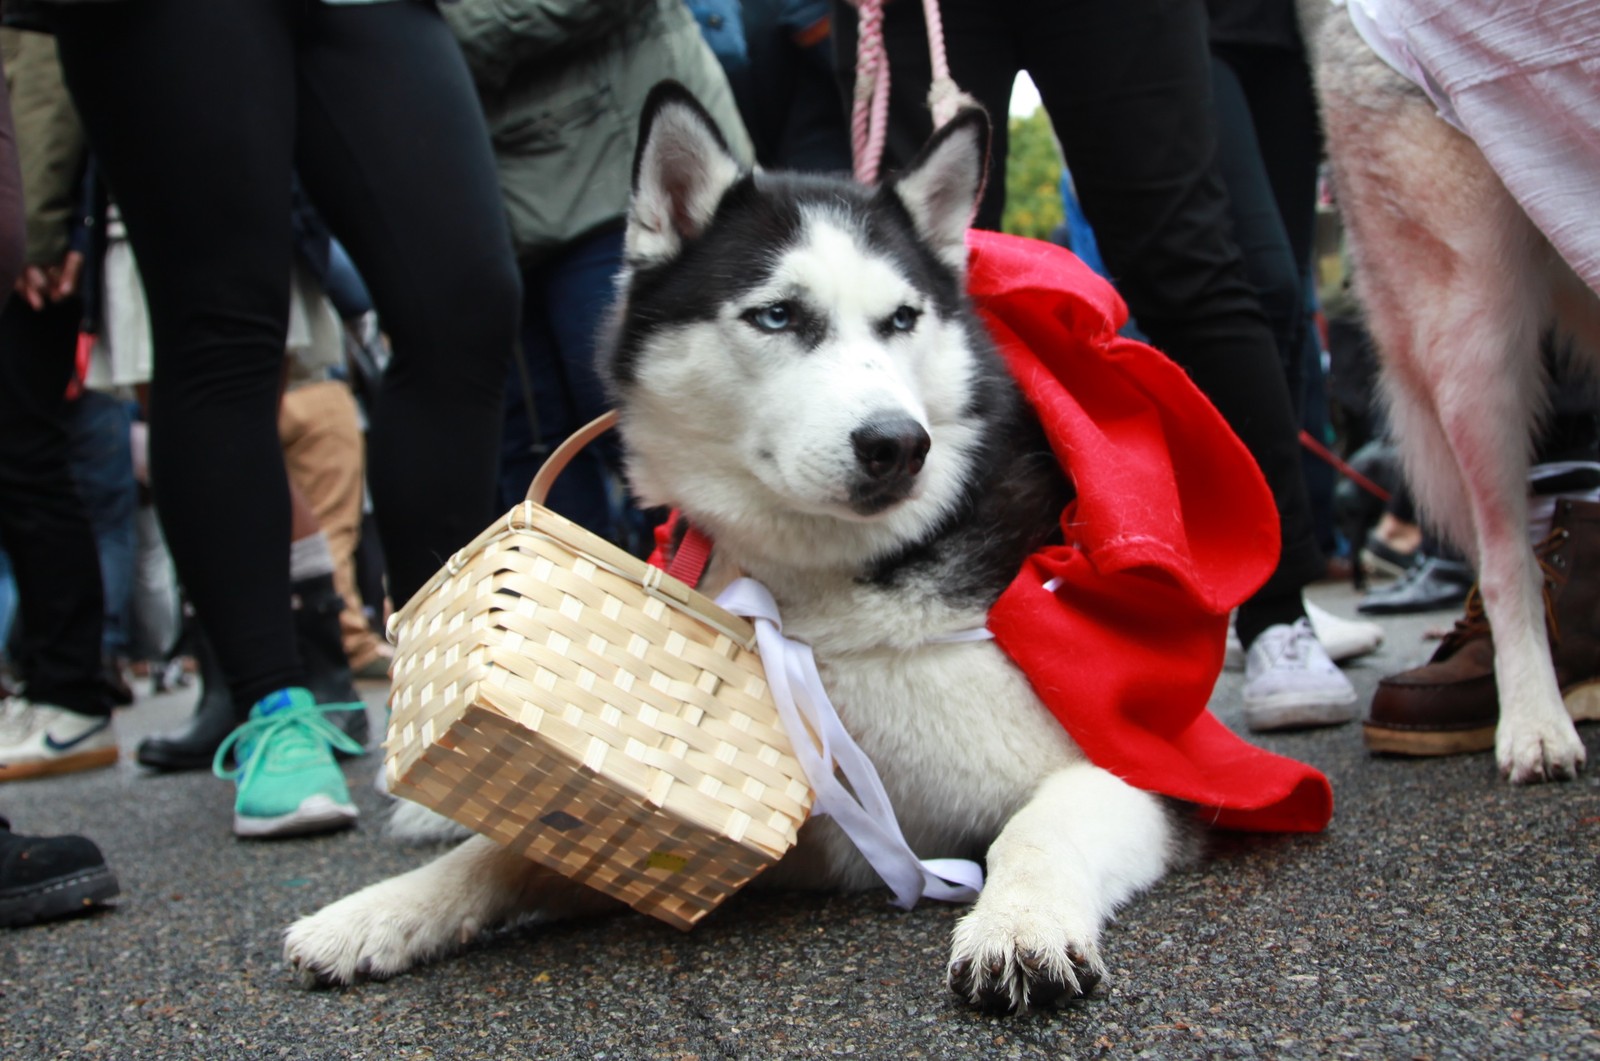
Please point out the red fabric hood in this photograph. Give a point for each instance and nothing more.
(1172, 527)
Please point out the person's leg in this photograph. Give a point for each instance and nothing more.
(64, 723)
(1257, 227)
(44, 526)
(393, 150)
(8, 614)
(1283, 110)
(102, 466)
(582, 283)
(209, 90)
(579, 492)
(530, 391)
(320, 428)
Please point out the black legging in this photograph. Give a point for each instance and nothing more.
(1127, 84)
(198, 111)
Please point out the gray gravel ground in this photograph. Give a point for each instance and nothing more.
(1444, 914)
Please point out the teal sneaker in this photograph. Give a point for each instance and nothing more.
(288, 781)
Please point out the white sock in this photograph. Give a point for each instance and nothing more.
(310, 557)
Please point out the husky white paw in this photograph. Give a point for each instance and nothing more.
(1011, 958)
(1542, 750)
(371, 935)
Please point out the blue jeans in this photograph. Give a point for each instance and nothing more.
(102, 466)
(8, 603)
(563, 302)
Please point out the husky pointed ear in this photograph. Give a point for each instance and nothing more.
(682, 168)
(940, 188)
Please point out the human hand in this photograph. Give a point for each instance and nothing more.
(39, 284)
(34, 286)
(64, 277)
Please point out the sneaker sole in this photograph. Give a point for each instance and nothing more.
(58, 898)
(316, 814)
(64, 764)
(1582, 703)
(1296, 713)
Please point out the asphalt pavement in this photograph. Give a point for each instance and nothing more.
(1443, 914)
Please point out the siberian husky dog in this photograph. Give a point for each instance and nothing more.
(799, 372)
(1458, 285)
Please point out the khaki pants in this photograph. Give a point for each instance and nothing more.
(322, 447)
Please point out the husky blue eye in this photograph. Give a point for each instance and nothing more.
(773, 318)
(904, 319)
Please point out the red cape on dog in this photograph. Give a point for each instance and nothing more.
(1171, 528)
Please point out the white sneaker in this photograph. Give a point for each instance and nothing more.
(1290, 682)
(1341, 638)
(40, 739)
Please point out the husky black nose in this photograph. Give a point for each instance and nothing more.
(890, 446)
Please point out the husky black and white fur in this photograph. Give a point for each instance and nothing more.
(799, 372)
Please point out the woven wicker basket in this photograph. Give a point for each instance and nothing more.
(564, 698)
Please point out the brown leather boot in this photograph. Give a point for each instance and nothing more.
(1449, 705)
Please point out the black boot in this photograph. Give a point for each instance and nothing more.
(46, 877)
(215, 716)
(317, 606)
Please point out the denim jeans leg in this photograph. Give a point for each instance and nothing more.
(102, 466)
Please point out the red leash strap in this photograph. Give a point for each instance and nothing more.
(1342, 468)
(690, 559)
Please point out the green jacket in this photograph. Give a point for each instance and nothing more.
(50, 142)
(563, 83)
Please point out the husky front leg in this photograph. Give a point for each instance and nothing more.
(1086, 843)
(390, 926)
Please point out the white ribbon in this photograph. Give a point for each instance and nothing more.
(865, 815)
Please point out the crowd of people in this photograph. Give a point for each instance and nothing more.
(332, 274)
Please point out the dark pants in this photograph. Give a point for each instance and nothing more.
(1127, 84)
(1270, 144)
(198, 112)
(564, 300)
(44, 526)
(1249, 153)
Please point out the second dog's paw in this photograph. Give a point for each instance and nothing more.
(1016, 962)
(1541, 752)
(363, 937)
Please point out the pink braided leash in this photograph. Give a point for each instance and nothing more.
(869, 113)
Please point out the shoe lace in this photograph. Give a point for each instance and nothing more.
(1474, 622)
(304, 725)
(1295, 647)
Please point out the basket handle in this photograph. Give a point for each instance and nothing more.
(554, 464)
